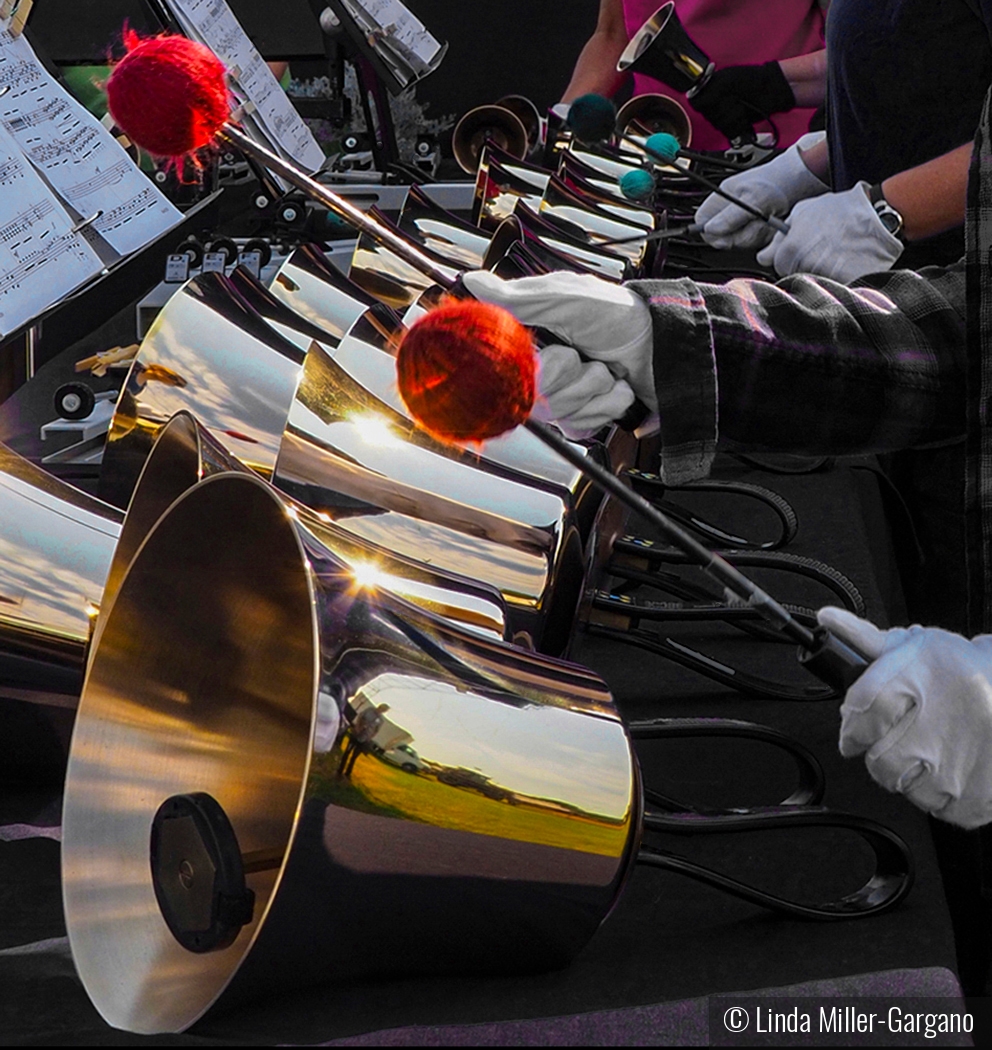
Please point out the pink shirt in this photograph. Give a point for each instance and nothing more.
(732, 33)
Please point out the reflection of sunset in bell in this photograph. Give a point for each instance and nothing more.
(367, 576)
(375, 431)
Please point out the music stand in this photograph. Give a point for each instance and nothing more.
(382, 64)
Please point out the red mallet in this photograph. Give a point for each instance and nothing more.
(466, 371)
(169, 94)
(465, 379)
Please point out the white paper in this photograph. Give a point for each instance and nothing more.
(397, 27)
(76, 153)
(41, 259)
(213, 23)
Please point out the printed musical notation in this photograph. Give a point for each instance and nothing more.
(75, 153)
(51, 110)
(11, 169)
(50, 249)
(124, 213)
(213, 23)
(112, 175)
(22, 223)
(42, 258)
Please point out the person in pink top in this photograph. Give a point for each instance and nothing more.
(733, 33)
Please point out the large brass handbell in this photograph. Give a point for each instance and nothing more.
(272, 762)
(529, 116)
(311, 286)
(384, 274)
(302, 419)
(609, 164)
(364, 342)
(662, 49)
(56, 546)
(611, 200)
(319, 292)
(185, 453)
(537, 248)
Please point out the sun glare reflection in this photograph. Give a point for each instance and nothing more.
(367, 576)
(375, 431)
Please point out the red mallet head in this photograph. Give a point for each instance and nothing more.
(168, 94)
(467, 371)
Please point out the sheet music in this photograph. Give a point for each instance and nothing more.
(213, 23)
(76, 153)
(41, 259)
(395, 26)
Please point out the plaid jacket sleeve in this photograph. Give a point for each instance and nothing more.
(807, 365)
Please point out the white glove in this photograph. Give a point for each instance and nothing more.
(603, 321)
(773, 188)
(922, 715)
(581, 397)
(838, 235)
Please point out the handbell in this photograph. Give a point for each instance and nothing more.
(185, 453)
(265, 737)
(529, 116)
(662, 49)
(647, 114)
(314, 288)
(439, 232)
(321, 742)
(487, 124)
(56, 547)
(500, 182)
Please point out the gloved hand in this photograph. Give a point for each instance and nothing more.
(922, 715)
(604, 322)
(736, 97)
(773, 188)
(837, 235)
(581, 397)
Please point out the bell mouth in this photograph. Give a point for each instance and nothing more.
(644, 37)
(203, 682)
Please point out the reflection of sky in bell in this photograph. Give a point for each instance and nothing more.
(606, 165)
(519, 449)
(462, 483)
(234, 381)
(467, 248)
(637, 218)
(588, 221)
(537, 179)
(51, 561)
(521, 577)
(607, 267)
(382, 260)
(543, 752)
(472, 612)
(318, 302)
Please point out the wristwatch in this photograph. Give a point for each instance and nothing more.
(888, 216)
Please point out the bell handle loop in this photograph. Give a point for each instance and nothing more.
(889, 884)
(811, 781)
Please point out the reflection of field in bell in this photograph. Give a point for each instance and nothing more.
(375, 786)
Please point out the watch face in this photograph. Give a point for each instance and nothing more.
(889, 217)
(891, 221)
